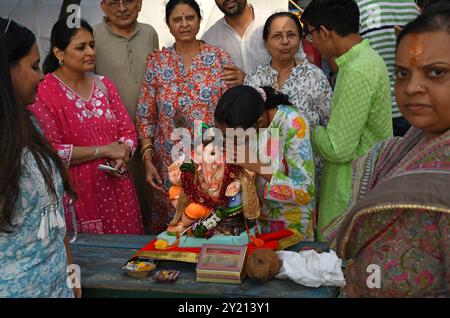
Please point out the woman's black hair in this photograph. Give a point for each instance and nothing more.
(435, 18)
(290, 15)
(17, 131)
(170, 6)
(242, 106)
(60, 38)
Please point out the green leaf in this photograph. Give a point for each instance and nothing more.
(311, 190)
(274, 208)
(280, 176)
(189, 167)
(309, 167)
(291, 163)
(291, 133)
(297, 226)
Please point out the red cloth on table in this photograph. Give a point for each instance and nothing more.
(270, 241)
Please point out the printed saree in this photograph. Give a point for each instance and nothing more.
(395, 237)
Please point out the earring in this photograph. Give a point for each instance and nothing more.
(61, 62)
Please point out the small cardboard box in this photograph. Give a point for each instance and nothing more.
(221, 264)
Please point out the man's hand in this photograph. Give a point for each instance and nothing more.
(153, 52)
(233, 75)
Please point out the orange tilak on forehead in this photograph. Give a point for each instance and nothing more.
(415, 49)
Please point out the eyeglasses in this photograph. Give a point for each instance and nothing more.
(279, 37)
(308, 35)
(115, 4)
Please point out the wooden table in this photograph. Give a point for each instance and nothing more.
(101, 257)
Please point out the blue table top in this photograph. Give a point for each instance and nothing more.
(101, 257)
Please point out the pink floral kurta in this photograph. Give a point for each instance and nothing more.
(171, 98)
(106, 204)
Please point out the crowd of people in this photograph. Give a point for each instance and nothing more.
(109, 96)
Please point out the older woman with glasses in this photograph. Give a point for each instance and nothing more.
(305, 84)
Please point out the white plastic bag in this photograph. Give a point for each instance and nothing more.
(311, 269)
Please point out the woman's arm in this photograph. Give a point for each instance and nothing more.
(50, 126)
(146, 120)
(72, 155)
(231, 74)
(76, 291)
(114, 151)
(146, 115)
(126, 130)
(153, 178)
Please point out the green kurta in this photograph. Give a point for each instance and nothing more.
(360, 117)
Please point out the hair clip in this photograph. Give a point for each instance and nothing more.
(7, 26)
(262, 92)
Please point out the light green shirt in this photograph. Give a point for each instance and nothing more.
(124, 60)
(360, 117)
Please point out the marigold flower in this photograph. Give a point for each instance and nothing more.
(161, 244)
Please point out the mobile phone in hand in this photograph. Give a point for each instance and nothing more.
(108, 168)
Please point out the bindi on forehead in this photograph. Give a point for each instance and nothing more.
(415, 49)
(183, 14)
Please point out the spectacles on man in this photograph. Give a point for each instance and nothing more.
(308, 35)
(115, 4)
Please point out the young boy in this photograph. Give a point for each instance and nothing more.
(361, 110)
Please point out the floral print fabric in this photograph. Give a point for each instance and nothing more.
(307, 87)
(172, 97)
(400, 219)
(106, 204)
(411, 253)
(290, 194)
(308, 90)
(29, 266)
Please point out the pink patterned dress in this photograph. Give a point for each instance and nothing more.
(106, 204)
(171, 98)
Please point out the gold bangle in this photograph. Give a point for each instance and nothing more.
(147, 151)
(145, 147)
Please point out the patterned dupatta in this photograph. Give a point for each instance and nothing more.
(398, 174)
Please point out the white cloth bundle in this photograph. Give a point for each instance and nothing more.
(311, 269)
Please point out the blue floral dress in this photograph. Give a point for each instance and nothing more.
(171, 98)
(33, 259)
